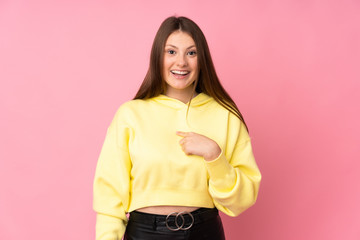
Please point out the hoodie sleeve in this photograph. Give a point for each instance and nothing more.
(111, 183)
(234, 177)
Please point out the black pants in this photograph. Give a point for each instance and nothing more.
(201, 224)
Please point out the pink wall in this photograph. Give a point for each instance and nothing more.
(291, 66)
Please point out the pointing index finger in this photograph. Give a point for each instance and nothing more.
(180, 133)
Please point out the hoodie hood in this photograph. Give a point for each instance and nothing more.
(197, 101)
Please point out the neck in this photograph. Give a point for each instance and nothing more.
(181, 95)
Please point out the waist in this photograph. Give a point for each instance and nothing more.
(165, 210)
(177, 220)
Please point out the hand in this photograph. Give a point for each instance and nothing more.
(196, 144)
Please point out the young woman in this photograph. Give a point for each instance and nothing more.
(176, 153)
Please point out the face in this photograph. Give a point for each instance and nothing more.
(180, 68)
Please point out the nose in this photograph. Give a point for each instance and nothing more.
(181, 60)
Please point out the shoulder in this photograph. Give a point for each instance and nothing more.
(218, 108)
(209, 103)
(128, 110)
(234, 123)
(131, 105)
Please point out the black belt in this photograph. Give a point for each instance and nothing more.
(177, 220)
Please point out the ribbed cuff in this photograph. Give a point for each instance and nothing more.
(222, 174)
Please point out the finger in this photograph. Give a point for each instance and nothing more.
(180, 133)
(184, 149)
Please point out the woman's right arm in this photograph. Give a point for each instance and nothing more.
(111, 183)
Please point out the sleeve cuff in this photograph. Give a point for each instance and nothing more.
(222, 174)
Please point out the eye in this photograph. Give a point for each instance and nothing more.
(191, 53)
(171, 51)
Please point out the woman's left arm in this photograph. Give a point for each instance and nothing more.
(234, 178)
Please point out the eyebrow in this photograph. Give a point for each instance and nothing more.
(177, 47)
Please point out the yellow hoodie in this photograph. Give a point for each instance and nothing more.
(142, 164)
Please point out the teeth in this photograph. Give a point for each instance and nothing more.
(180, 72)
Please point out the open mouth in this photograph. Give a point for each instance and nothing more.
(179, 73)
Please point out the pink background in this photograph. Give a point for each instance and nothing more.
(291, 66)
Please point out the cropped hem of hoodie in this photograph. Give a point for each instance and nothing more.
(142, 164)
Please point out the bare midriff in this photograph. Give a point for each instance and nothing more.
(165, 210)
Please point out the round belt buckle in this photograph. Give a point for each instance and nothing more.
(181, 216)
(182, 226)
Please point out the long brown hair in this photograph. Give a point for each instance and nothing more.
(207, 82)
